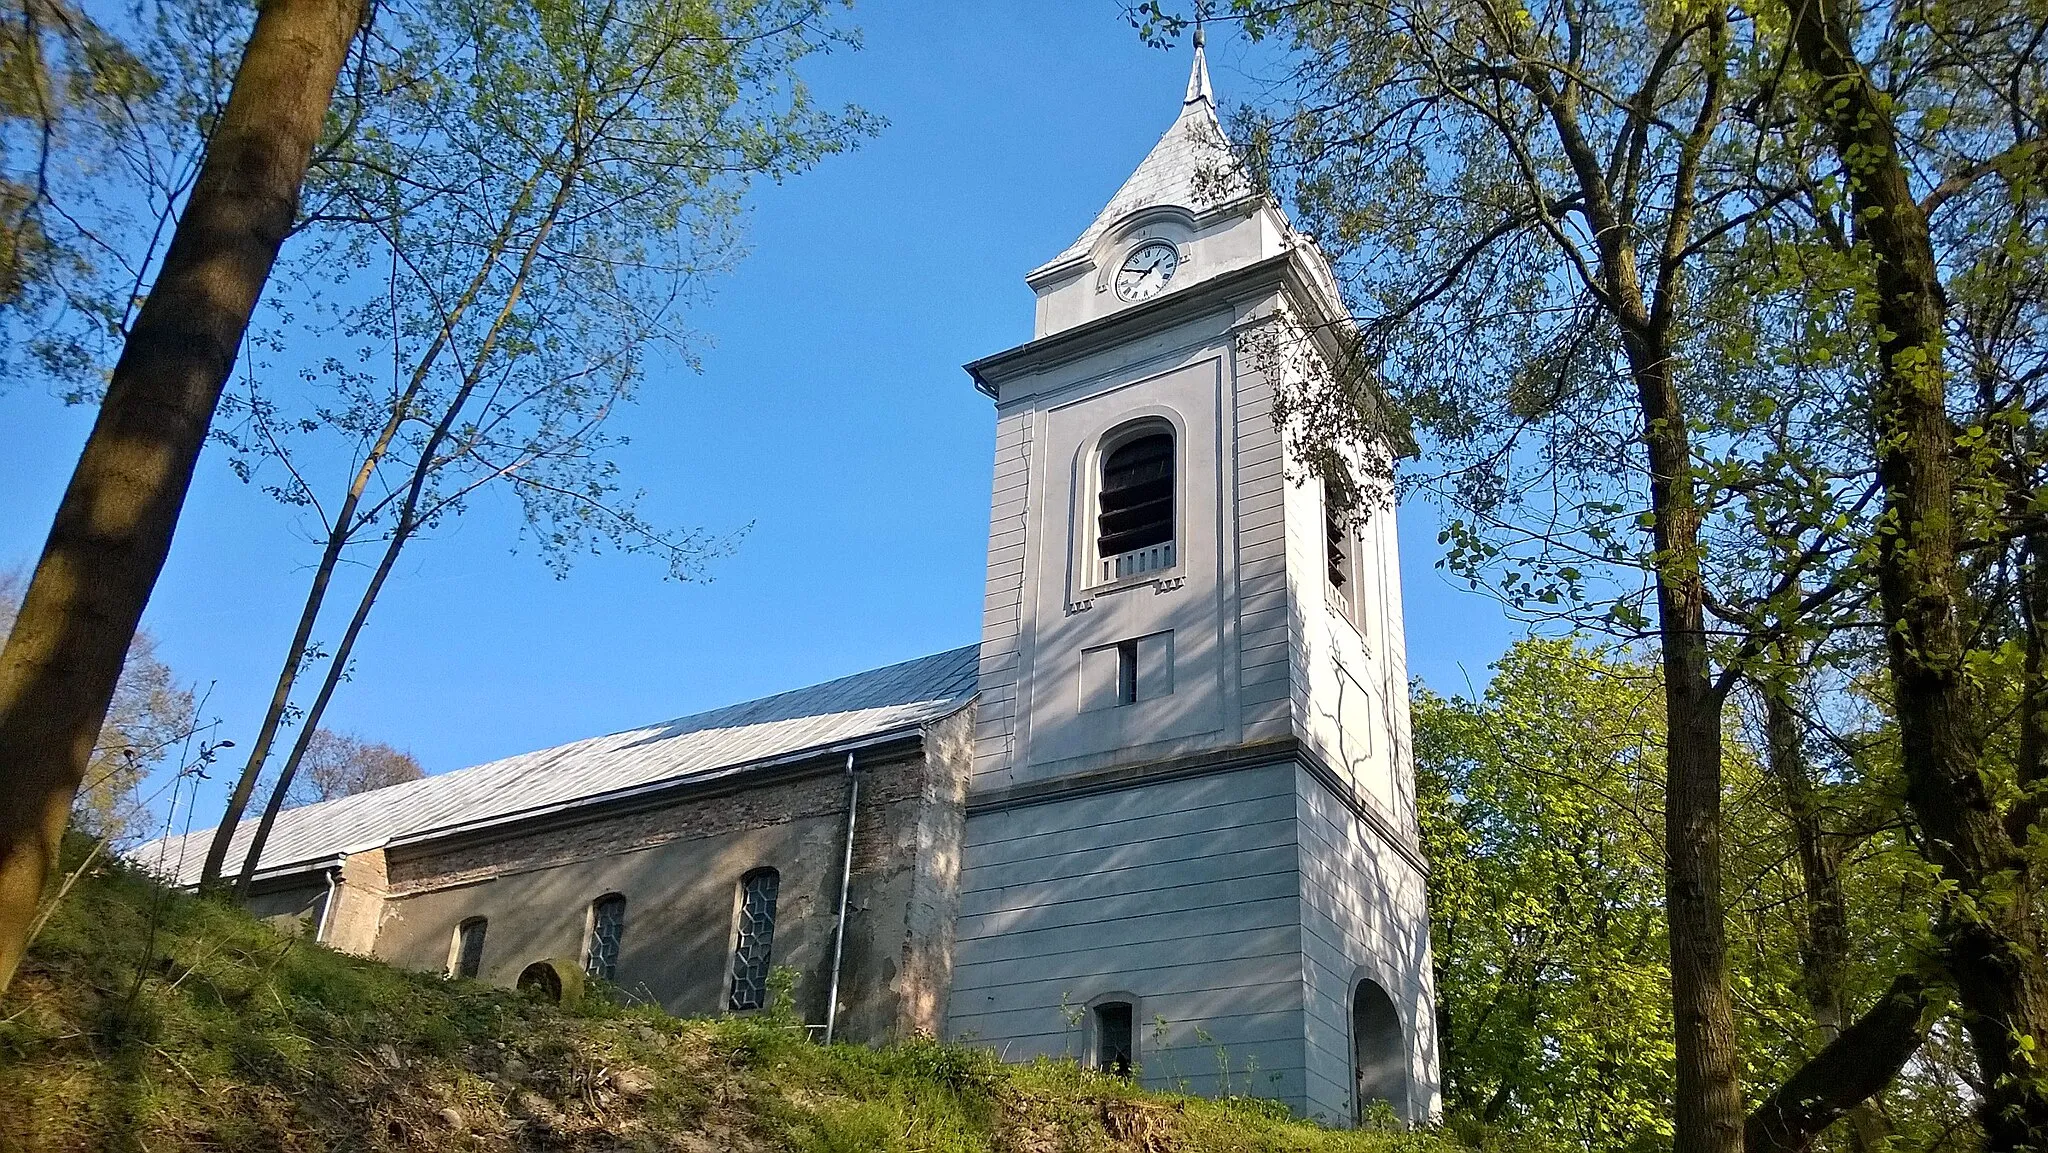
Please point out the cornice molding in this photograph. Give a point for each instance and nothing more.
(1264, 754)
(1195, 219)
(1127, 324)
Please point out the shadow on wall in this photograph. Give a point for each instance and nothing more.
(1369, 905)
(1072, 718)
(1379, 1054)
(675, 942)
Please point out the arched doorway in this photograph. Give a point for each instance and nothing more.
(1379, 1057)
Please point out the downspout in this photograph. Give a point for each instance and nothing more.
(845, 883)
(327, 906)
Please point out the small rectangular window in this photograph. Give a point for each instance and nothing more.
(1127, 672)
(1155, 665)
(1113, 1038)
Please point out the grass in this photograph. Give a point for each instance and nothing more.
(149, 1020)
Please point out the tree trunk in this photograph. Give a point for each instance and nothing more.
(339, 535)
(335, 671)
(2031, 748)
(114, 527)
(1858, 1063)
(280, 699)
(410, 516)
(1992, 944)
(1824, 939)
(1889, 1034)
(1708, 1105)
(1707, 1110)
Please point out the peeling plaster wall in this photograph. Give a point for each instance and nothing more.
(293, 909)
(933, 911)
(359, 903)
(679, 867)
(905, 895)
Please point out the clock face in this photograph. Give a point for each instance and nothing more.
(1147, 269)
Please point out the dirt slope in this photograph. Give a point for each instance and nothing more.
(147, 1020)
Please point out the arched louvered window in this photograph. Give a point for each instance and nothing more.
(466, 959)
(1134, 523)
(751, 953)
(607, 929)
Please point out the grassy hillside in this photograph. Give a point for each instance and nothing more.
(148, 1020)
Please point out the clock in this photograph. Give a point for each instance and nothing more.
(1147, 269)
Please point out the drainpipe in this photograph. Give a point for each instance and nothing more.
(327, 906)
(845, 882)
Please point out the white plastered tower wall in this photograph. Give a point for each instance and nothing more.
(1228, 848)
(1363, 890)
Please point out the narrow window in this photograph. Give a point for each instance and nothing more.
(1336, 539)
(1127, 672)
(1135, 522)
(1340, 544)
(607, 928)
(756, 939)
(1113, 1054)
(469, 948)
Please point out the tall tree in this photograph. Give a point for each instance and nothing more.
(1541, 802)
(1541, 805)
(114, 526)
(1531, 210)
(1801, 813)
(1543, 166)
(593, 157)
(1937, 118)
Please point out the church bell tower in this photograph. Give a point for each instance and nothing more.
(1191, 845)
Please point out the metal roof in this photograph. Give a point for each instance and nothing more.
(698, 748)
(1191, 167)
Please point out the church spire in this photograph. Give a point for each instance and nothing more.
(1192, 166)
(1198, 79)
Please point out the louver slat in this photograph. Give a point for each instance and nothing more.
(1137, 496)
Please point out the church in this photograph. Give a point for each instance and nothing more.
(1160, 819)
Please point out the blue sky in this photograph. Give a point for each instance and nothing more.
(831, 414)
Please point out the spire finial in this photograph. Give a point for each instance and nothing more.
(1198, 79)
